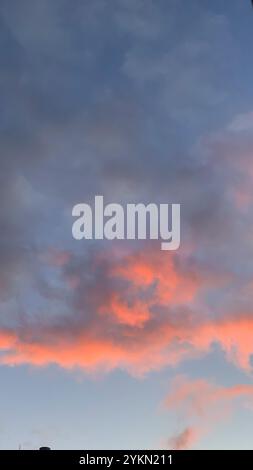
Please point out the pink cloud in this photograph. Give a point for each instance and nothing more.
(205, 404)
(134, 312)
(184, 440)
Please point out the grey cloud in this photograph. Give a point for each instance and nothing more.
(109, 97)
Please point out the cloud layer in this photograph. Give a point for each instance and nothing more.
(139, 101)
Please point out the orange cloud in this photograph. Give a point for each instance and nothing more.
(233, 333)
(203, 402)
(135, 312)
(184, 440)
(135, 349)
(197, 396)
(172, 285)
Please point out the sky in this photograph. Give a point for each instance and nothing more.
(117, 344)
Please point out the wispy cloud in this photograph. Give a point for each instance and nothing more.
(205, 405)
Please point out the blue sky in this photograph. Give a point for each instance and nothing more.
(140, 101)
